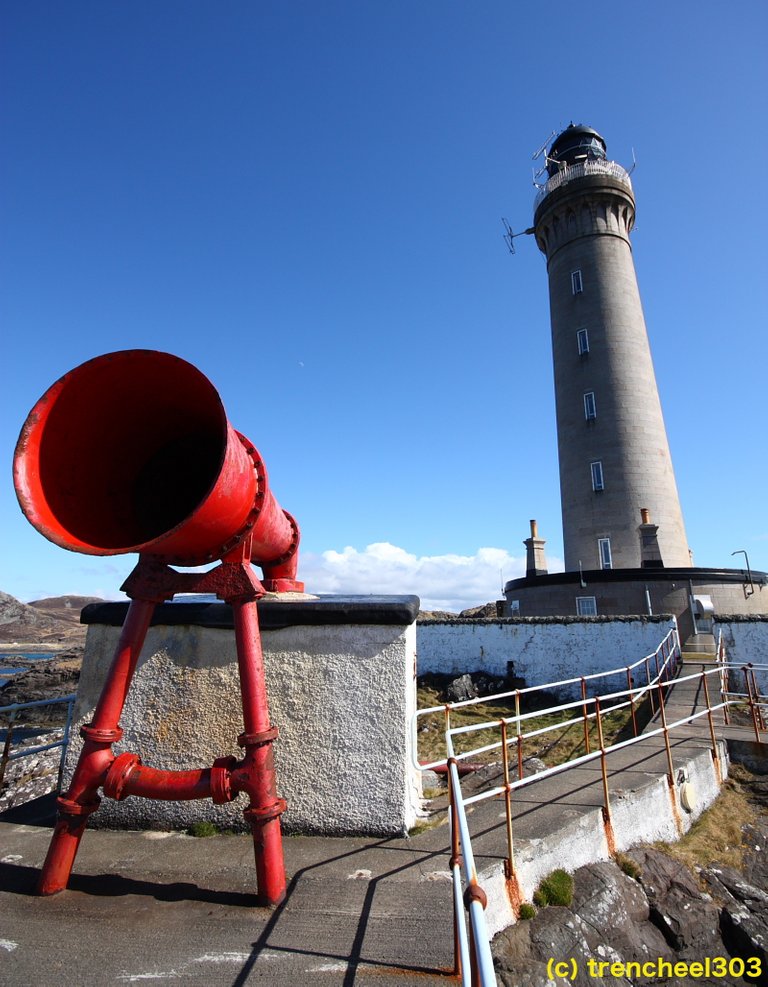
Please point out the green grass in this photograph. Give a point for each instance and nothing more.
(555, 889)
(718, 833)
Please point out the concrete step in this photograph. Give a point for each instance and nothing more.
(700, 643)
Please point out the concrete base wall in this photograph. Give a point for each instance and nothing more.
(642, 815)
(538, 650)
(341, 695)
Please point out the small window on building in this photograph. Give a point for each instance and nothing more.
(514, 607)
(576, 282)
(590, 408)
(597, 476)
(586, 606)
(582, 341)
(604, 548)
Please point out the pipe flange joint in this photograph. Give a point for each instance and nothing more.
(98, 736)
(221, 779)
(68, 807)
(265, 813)
(474, 892)
(291, 550)
(118, 774)
(258, 739)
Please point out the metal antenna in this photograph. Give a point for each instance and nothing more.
(509, 236)
(544, 145)
(634, 162)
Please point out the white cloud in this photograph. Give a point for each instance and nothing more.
(443, 582)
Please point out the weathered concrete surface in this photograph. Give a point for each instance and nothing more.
(148, 906)
(341, 695)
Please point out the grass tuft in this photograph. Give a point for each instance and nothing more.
(555, 889)
(628, 866)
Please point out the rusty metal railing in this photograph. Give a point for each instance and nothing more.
(472, 956)
(657, 666)
(12, 710)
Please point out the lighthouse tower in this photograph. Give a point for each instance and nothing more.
(619, 498)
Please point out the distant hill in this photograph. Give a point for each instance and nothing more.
(65, 607)
(51, 621)
(490, 611)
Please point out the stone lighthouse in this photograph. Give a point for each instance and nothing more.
(626, 550)
(612, 444)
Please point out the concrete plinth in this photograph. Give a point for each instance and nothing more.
(341, 681)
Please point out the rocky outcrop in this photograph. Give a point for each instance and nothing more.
(43, 678)
(663, 914)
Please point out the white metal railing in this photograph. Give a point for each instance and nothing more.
(63, 742)
(584, 168)
(472, 954)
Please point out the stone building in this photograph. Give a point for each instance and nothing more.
(624, 537)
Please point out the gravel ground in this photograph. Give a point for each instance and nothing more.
(27, 778)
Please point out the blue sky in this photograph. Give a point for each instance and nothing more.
(304, 199)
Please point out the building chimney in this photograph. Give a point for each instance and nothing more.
(650, 553)
(535, 559)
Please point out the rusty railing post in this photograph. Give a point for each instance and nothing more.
(603, 765)
(756, 694)
(670, 765)
(519, 736)
(510, 862)
(751, 700)
(631, 701)
(587, 747)
(648, 684)
(712, 737)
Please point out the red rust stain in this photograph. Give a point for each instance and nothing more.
(514, 894)
(610, 837)
(675, 808)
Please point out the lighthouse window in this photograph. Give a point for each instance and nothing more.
(604, 547)
(582, 341)
(586, 606)
(597, 476)
(576, 282)
(590, 408)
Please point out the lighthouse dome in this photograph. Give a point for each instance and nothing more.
(574, 145)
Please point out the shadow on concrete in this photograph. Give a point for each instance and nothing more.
(355, 957)
(37, 812)
(20, 879)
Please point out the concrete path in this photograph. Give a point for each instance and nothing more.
(146, 907)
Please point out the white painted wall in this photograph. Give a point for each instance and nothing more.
(341, 695)
(747, 641)
(539, 651)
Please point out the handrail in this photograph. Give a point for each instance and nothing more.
(12, 709)
(473, 959)
(580, 170)
(669, 648)
(474, 956)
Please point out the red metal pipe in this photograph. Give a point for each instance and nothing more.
(128, 776)
(98, 472)
(81, 799)
(256, 774)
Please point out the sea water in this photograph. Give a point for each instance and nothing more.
(6, 671)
